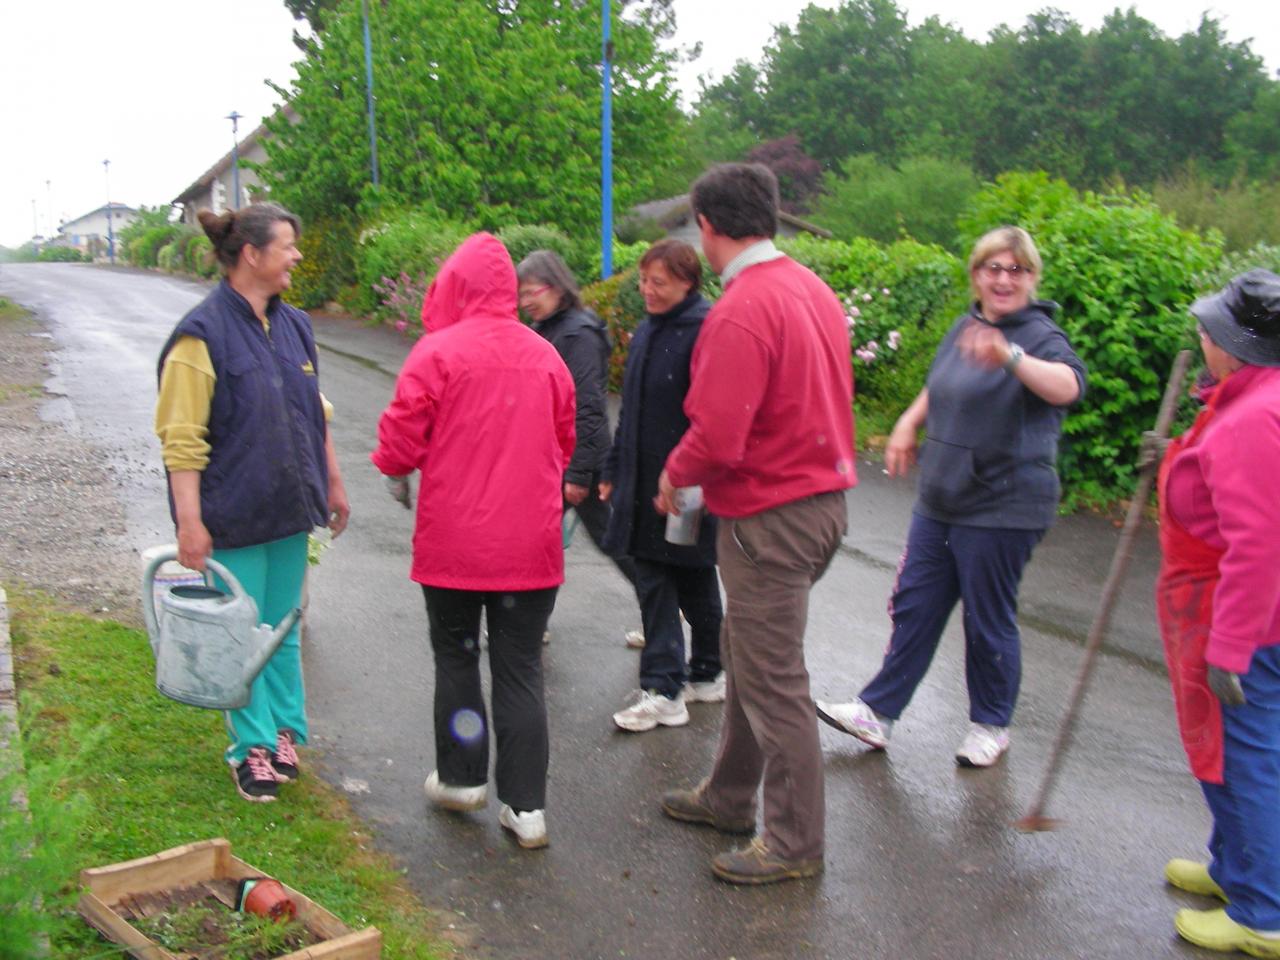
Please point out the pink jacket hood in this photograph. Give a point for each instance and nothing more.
(477, 282)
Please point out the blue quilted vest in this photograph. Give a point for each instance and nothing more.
(267, 477)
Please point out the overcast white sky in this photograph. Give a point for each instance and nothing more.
(147, 84)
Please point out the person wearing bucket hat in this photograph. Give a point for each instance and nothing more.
(1218, 603)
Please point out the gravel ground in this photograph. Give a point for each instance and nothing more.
(61, 520)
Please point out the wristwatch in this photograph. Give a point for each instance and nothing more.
(1016, 353)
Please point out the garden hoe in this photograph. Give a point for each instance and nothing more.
(1035, 820)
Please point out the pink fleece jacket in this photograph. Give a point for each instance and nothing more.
(1223, 491)
(484, 408)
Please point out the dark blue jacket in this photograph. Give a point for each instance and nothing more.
(651, 423)
(267, 476)
(991, 445)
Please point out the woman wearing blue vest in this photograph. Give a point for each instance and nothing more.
(251, 466)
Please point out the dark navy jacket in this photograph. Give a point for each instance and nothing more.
(651, 423)
(991, 448)
(267, 476)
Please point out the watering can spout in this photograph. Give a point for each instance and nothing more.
(269, 641)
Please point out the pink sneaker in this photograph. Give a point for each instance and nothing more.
(255, 780)
(284, 762)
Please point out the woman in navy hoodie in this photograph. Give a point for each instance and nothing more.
(992, 409)
(670, 579)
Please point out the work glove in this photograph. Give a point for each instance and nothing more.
(398, 487)
(1152, 449)
(1226, 687)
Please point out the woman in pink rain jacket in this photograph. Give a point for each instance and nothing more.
(484, 411)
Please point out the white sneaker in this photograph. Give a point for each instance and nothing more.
(858, 719)
(705, 691)
(546, 637)
(635, 639)
(461, 799)
(651, 709)
(529, 827)
(983, 746)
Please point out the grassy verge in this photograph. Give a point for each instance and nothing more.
(152, 777)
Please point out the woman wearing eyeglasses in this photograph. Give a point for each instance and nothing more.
(549, 297)
(992, 409)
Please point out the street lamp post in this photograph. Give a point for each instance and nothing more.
(235, 159)
(111, 234)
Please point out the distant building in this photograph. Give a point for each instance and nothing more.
(214, 189)
(674, 216)
(88, 233)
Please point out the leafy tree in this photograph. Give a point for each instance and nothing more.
(490, 116)
(708, 137)
(920, 198)
(950, 86)
(1212, 82)
(1252, 144)
(839, 78)
(799, 175)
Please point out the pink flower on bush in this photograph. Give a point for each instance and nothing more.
(895, 339)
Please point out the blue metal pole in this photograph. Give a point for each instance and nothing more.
(368, 80)
(606, 155)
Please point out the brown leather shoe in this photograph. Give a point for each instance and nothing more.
(689, 807)
(755, 865)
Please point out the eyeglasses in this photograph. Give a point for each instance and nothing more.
(528, 293)
(1015, 270)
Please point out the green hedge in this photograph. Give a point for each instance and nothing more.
(169, 255)
(412, 242)
(522, 239)
(900, 300)
(328, 265)
(61, 255)
(144, 250)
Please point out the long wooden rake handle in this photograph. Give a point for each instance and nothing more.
(1035, 819)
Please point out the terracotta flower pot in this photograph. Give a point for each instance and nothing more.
(266, 898)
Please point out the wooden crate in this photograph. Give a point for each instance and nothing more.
(208, 862)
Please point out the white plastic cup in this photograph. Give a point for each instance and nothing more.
(682, 529)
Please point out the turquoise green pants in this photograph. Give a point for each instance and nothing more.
(272, 574)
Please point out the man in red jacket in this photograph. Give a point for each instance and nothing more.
(770, 441)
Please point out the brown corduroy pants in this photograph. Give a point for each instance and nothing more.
(769, 562)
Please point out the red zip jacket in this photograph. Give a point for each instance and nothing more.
(484, 408)
(770, 404)
(1220, 489)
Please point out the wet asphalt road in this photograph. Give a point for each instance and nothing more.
(921, 861)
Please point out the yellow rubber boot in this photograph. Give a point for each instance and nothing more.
(1214, 930)
(1192, 877)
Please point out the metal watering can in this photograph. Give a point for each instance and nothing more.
(209, 646)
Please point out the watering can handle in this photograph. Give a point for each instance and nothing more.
(212, 566)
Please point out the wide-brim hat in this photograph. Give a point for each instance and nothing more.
(1243, 318)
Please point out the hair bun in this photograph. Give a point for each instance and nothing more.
(216, 227)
